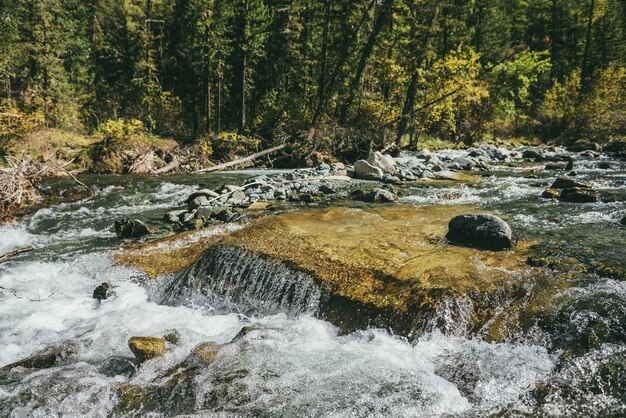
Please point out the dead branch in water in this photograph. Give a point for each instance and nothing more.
(10, 254)
(242, 160)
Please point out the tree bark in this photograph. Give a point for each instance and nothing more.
(385, 10)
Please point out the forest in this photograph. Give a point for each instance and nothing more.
(340, 77)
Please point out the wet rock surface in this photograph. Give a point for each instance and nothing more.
(401, 276)
(131, 228)
(147, 348)
(481, 231)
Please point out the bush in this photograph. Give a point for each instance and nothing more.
(231, 145)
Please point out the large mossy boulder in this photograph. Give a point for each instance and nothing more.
(386, 267)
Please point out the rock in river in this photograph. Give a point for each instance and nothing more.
(104, 291)
(146, 348)
(481, 231)
(383, 267)
(377, 196)
(364, 170)
(127, 228)
(385, 162)
(568, 183)
(578, 195)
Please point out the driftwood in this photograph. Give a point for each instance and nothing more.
(10, 254)
(172, 165)
(242, 160)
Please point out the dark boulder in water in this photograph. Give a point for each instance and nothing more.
(533, 154)
(46, 358)
(481, 231)
(578, 195)
(103, 291)
(131, 228)
(623, 221)
(568, 183)
(556, 166)
(377, 196)
(551, 194)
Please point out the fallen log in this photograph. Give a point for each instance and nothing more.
(242, 160)
(16, 252)
(173, 165)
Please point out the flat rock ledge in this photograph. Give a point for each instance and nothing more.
(386, 267)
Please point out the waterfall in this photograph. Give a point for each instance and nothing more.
(231, 279)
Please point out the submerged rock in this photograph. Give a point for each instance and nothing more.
(623, 221)
(46, 358)
(127, 228)
(557, 166)
(481, 231)
(384, 267)
(104, 291)
(578, 195)
(551, 194)
(568, 183)
(377, 196)
(146, 348)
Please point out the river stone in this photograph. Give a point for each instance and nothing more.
(382, 267)
(481, 231)
(174, 216)
(199, 202)
(46, 358)
(104, 291)
(605, 165)
(533, 155)
(237, 197)
(568, 183)
(146, 348)
(382, 161)
(119, 366)
(209, 194)
(127, 228)
(464, 163)
(578, 195)
(378, 196)
(551, 194)
(555, 166)
(623, 221)
(364, 170)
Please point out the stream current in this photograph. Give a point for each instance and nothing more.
(570, 360)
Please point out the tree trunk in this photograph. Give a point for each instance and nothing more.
(243, 92)
(409, 102)
(385, 10)
(322, 79)
(586, 66)
(343, 57)
(553, 48)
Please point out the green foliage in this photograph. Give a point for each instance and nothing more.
(456, 117)
(604, 108)
(228, 145)
(357, 70)
(559, 108)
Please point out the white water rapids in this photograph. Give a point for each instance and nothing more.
(294, 366)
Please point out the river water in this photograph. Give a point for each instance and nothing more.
(567, 360)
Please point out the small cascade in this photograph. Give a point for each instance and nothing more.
(230, 279)
(453, 317)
